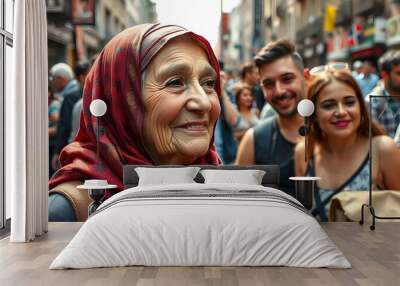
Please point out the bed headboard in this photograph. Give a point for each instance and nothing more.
(270, 179)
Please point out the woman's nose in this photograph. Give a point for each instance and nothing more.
(340, 110)
(198, 99)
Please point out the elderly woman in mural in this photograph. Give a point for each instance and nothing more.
(161, 86)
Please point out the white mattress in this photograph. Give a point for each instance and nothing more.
(203, 225)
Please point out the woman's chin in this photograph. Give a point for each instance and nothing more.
(340, 133)
(194, 149)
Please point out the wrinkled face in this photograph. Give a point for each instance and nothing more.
(283, 85)
(337, 110)
(245, 98)
(181, 104)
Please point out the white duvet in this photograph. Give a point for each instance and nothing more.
(201, 224)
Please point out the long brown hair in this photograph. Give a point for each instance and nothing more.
(315, 88)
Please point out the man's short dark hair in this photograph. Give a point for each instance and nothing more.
(247, 68)
(277, 50)
(388, 60)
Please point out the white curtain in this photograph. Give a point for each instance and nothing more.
(26, 123)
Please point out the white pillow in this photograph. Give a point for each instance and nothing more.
(163, 176)
(248, 177)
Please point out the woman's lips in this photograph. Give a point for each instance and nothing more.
(342, 123)
(195, 126)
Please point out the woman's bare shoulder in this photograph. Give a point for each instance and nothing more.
(384, 143)
(300, 147)
(385, 149)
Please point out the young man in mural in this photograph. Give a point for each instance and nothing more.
(273, 140)
(161, 86)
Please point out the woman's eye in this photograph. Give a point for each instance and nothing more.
(178, 82)
(328, 105)
(350, 102)
(209, 83)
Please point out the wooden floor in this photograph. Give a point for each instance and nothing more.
(374, 255)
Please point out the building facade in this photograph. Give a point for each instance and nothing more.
(69, 43)
(234, 48)
(246, 32)
(323, 30)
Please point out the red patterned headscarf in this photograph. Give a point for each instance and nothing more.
(116, 79)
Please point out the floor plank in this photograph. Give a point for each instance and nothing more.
(374, 255)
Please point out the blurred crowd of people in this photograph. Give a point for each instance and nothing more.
(64, 106)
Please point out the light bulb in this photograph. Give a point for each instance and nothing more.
(98, 108)
(305, 107)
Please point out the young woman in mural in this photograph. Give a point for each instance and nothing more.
(161, 86)
(339, 142)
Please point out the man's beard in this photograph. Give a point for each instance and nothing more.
(286, 95)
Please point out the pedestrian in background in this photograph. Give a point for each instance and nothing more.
(54, 105)
(62, 79)
(225, 142)
(247, 113)
(81, 71)
(357, 68)
(250, 76)
(367, 79)
(387, 110)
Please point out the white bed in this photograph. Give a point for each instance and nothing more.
(201, 225)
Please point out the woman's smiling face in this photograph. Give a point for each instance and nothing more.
(338, 110)
(181, 104)
(245, 98)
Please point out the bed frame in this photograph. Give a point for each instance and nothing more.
(270, 179)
